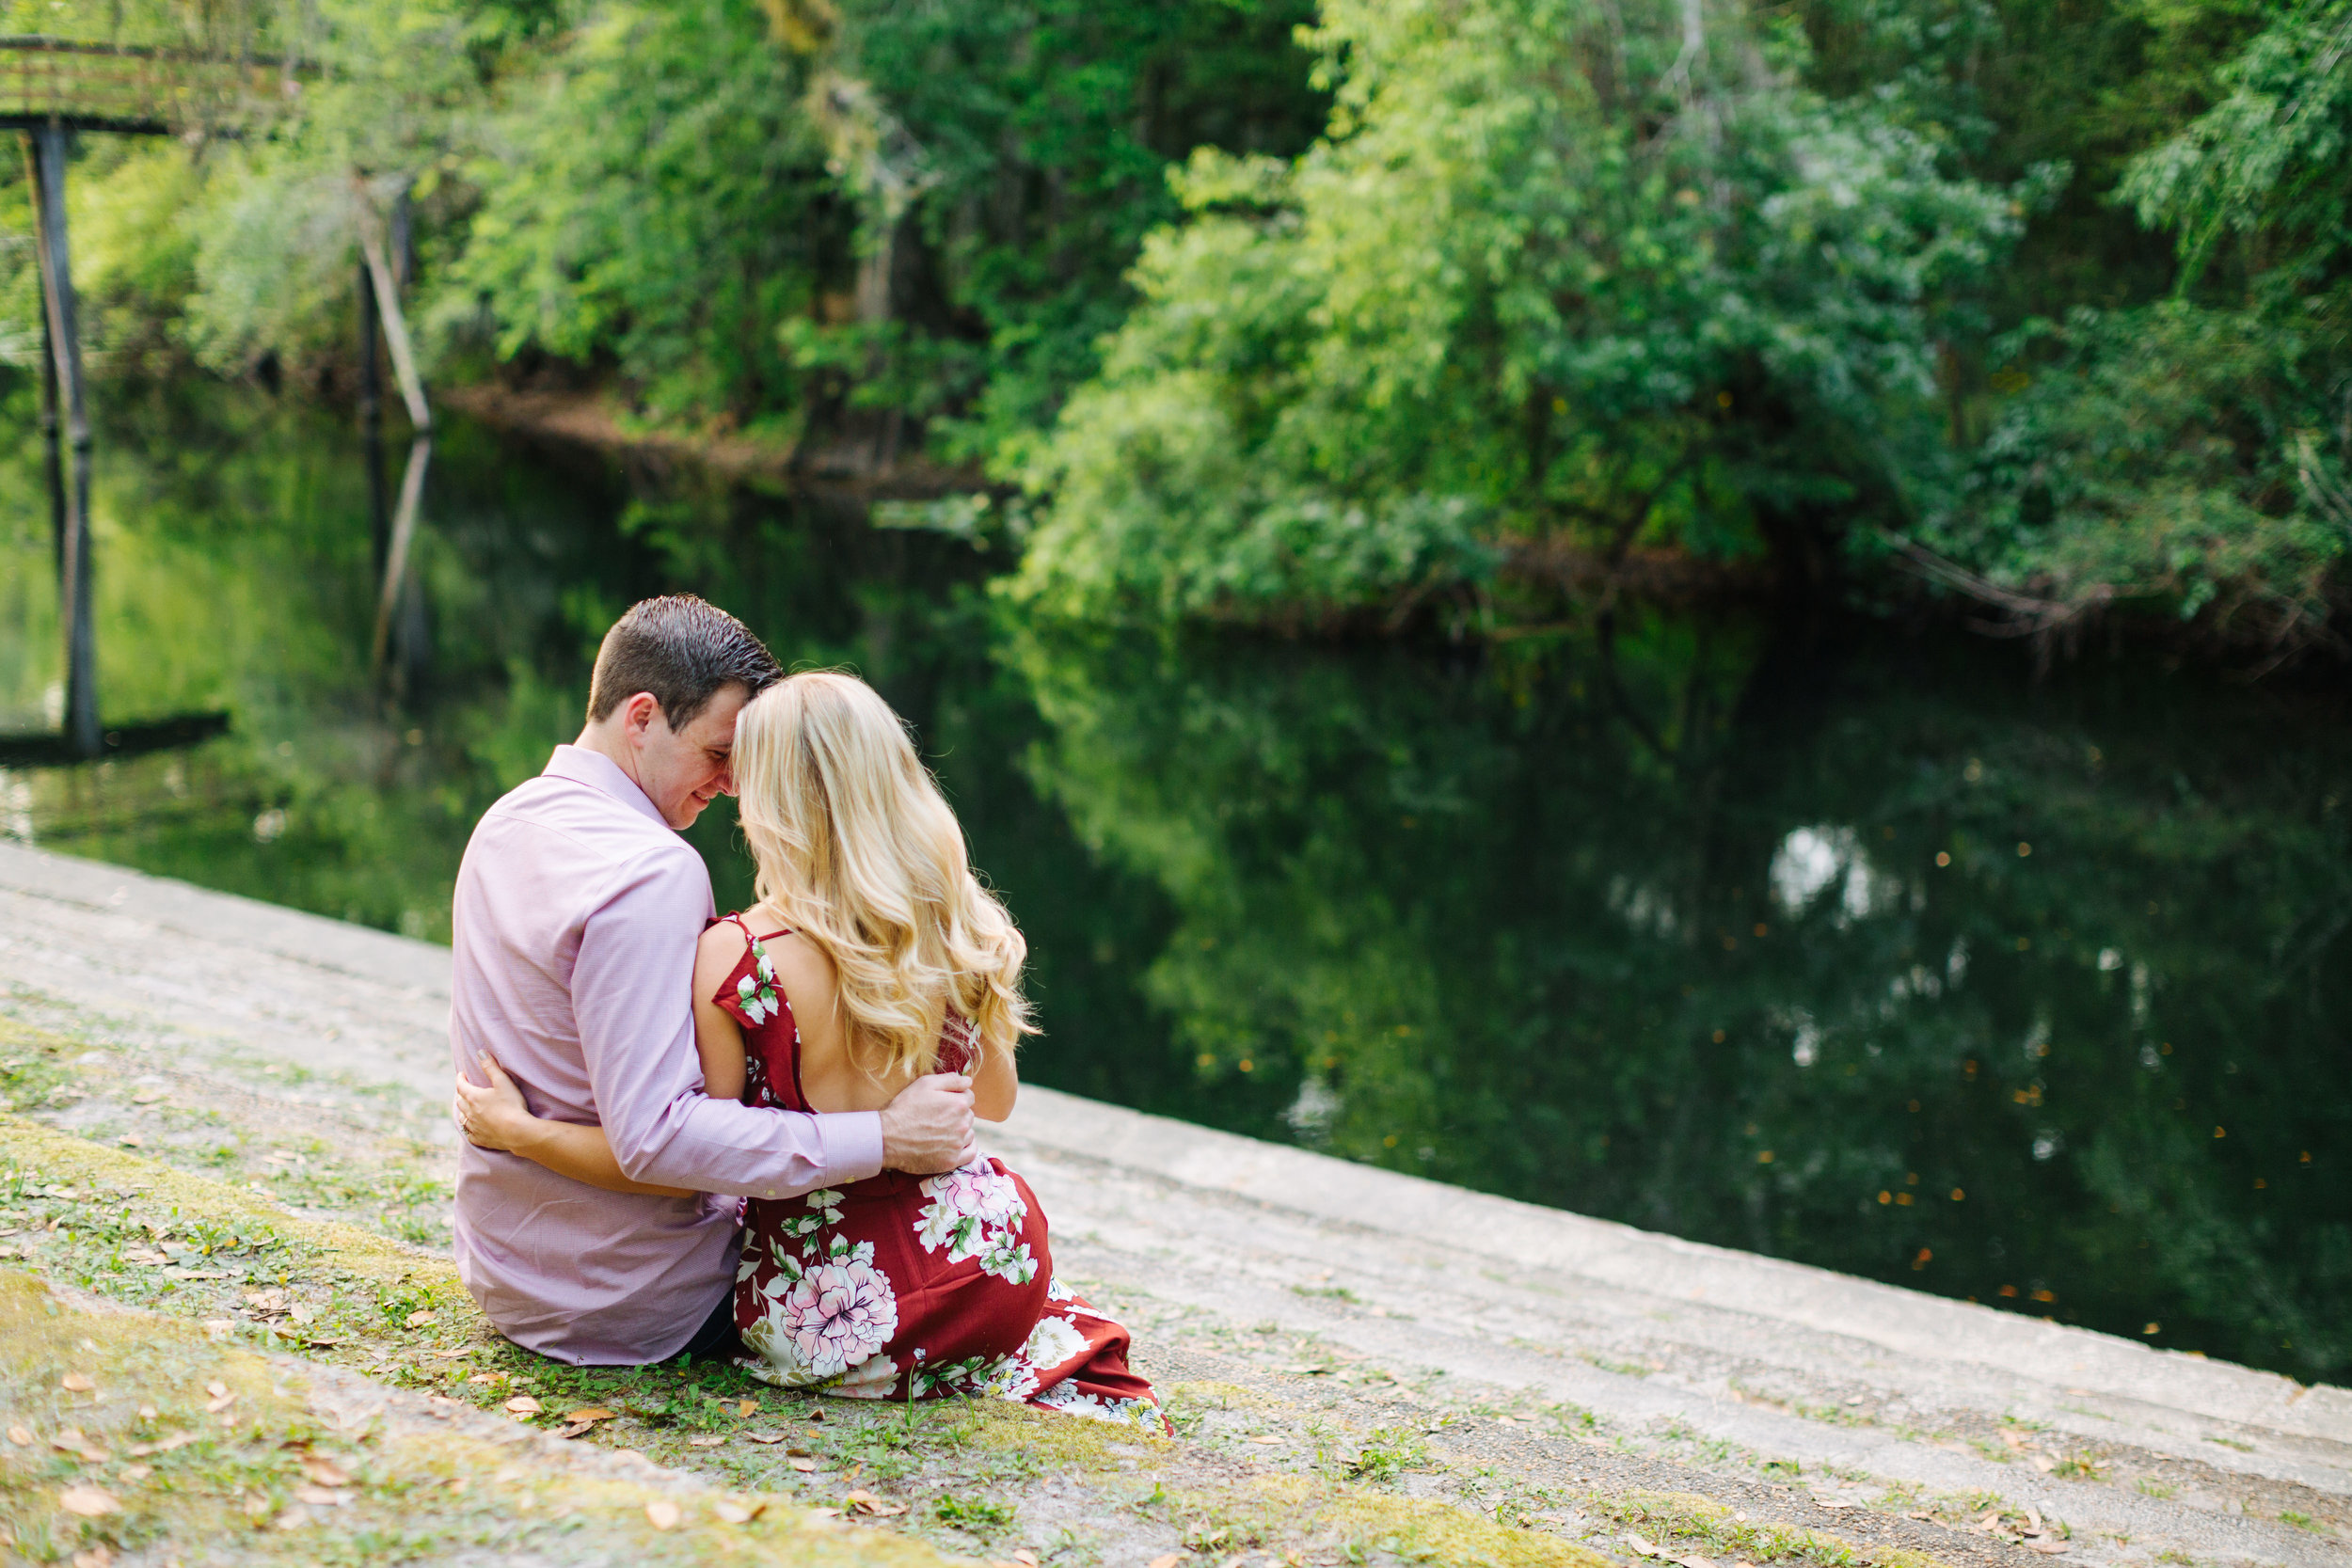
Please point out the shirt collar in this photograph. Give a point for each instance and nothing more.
(600, 773)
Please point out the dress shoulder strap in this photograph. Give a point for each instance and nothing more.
(750, 992)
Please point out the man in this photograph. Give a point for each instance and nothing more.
(578, 909)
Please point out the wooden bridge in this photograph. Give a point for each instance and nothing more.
(137, 90)
(160, 68)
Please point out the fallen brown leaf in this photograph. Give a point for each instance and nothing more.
(21, 1436)
(176, 1440)
(2043, 1463)
(1694, 1561)
(523, 1404)
(747, 1409)
(1268, 1441)
(765, 1437)
(318, 1496)
(294, 1518)
(215, 1406)
(87, 1501)
(662, 1514)
(1640, 1547)
(578, 1429)
(706, 1442)
(2043, 1544)
(419, 1319)
(97, 1557)
(1168, 1561)
(732, 1513)
(135, 1473)
(454, 1352)
(217, 1388)
(591, 1414)
(324, 1471)
(1027, 1558)
(805, 1465)
(76, 1382)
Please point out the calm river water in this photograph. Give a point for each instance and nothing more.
(1835, 941)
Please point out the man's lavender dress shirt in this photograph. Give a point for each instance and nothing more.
(577, 915)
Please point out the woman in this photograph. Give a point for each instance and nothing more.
(873, 957)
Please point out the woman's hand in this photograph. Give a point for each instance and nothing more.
(493, 1117)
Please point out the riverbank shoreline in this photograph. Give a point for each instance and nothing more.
(1659, 1343)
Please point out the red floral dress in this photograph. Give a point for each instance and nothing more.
(906, 1287)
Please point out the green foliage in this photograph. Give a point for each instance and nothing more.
(2194, 452)
(657, 198)
(1545, 279)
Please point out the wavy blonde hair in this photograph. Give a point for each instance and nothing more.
(858, 852)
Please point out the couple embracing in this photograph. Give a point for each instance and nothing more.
(752, 1138)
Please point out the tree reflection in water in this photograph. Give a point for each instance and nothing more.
(1825, 942)
(1836, 945)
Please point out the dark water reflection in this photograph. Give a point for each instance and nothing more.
(1824, 941)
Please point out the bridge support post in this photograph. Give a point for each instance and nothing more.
(61, 317)
(372, 425)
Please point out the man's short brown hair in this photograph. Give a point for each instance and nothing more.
(684, 651)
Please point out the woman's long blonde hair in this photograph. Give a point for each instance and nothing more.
(858, 852)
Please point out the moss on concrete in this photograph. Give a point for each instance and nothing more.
(128, 1433)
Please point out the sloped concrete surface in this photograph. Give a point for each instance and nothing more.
(1665, 1341)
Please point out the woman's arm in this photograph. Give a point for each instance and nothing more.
(496, 1118)
(718, 1038)
(996, 1086)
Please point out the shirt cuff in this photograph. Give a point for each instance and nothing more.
(853, 1144)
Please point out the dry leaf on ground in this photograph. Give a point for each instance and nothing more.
(87, 1501)
(1168, 1561)
(1640, 1547)
(805, 1465)
(76, 1382)
(419, 1319)
(324, 1471)
(523, 1404)
(590, 1414)
(736, 1514)
(21, 1436)
(662, 1514)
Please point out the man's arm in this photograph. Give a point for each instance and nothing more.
(632, 1000)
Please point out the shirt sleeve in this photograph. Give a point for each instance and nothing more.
(632, 1000)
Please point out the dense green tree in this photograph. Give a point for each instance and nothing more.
(1560, 274)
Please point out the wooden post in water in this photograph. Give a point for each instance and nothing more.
(65, 362)
(53, 461)
(386, 288)
(372, 427)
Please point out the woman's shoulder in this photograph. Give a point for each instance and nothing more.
(723, 941)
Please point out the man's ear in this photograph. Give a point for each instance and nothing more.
(638, 714)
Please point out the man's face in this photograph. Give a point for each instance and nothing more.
(682, 770)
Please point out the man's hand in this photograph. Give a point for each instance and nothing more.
(928, 1129)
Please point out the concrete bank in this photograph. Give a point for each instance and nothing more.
(1703, 1359)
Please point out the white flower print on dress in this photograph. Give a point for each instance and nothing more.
(976, 1213)
(1071, 1401)
(870, 1379)
(756, 993)
(835, 1316)
(1053, 1341)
